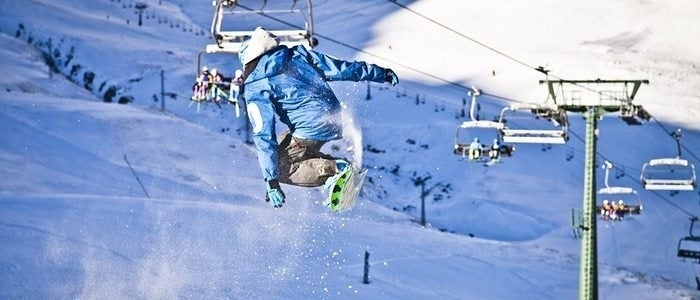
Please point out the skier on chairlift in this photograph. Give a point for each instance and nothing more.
(613, 210)
(495, 151)
(236, 83)
(196, 87)
(217, 85)
(605, 210)
(620, 209)
(201, 85)
(292, 83)
(475, 149)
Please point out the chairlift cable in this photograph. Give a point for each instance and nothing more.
(687, 150)
(456, 84)
(468, 38)
(539, 69)
(461, 87)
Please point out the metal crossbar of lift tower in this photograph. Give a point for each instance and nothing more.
(579, 94)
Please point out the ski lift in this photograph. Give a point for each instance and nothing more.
(629, 196)
(554, 133)
(669, 174)
(230, 41)
(689, 246)
(462, 144)
(479, 130)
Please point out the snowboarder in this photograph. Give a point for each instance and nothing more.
(475, 149)
(292, 83)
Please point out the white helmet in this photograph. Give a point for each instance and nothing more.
(259, 42)
(239, 72)
(606, 201)
(214, 71)
(620, 202)
(204, 69)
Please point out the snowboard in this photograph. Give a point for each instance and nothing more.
(343, 194)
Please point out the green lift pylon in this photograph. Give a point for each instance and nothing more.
(579, 96)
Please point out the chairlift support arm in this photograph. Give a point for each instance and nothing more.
(636, 84)
(472, 106)
(230, 41)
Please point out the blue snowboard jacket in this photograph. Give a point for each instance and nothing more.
(292, 83)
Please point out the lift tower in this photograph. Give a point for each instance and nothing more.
(593, 99)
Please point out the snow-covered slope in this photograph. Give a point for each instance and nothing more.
(101, 200)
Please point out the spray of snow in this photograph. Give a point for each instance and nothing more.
(352, 134)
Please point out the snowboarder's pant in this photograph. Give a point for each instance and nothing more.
(302, 163)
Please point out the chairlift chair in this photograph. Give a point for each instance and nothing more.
(669, 174)
(630, 197)
(689, 246)
(617, 193)
(229, 41)
(475, 129)
(555, 133)
(237, 12)
(469, 129)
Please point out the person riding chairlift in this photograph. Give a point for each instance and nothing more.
(475, 149)
(605, 210)
(495, 151)
(236, 83)
(217, 85)
(201, 85)
(620, 209)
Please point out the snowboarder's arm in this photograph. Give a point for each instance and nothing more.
(340, 70)
(262, 118)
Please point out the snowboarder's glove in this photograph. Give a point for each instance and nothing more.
(274, 195)
(391, 77)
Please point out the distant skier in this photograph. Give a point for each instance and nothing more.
(292, 83)
(475, 149)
